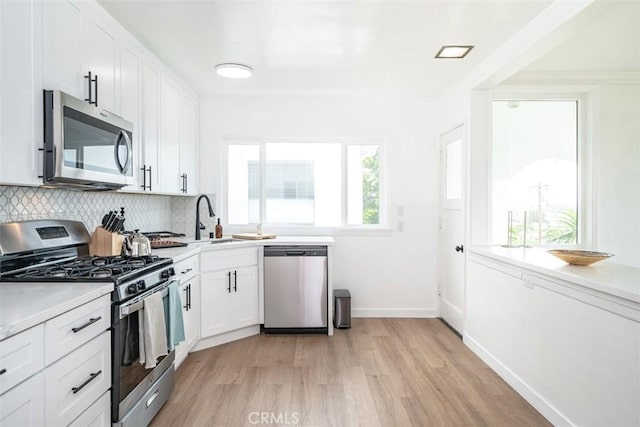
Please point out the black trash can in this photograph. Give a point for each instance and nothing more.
(341, 309)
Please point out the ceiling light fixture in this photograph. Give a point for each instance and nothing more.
(234, 71)
(453, 52)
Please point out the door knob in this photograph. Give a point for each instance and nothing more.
(460, 248)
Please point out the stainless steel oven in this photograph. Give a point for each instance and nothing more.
(85, 146)
(138, 393)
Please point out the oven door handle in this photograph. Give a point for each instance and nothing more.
(138, 303)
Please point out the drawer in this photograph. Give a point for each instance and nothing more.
(228, 259)
(21, 356)
(24, 405)
(97, 415)
(70, 330)
(74, 382)
(187, 268)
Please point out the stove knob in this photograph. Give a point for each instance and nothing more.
(167, 273)
(141, 285)
(132, 288)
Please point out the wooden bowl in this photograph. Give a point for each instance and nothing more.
(578, 257)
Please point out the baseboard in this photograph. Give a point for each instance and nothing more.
(226, 337)
(394, 312)
(545, 408)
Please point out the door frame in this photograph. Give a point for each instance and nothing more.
(453, 134)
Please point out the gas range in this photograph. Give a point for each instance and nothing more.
(57, 251)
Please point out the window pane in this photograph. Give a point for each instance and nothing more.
(363, 180)
(535, 151)
(303, 183)
(243, 189)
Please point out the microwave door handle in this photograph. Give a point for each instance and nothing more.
(122, 168)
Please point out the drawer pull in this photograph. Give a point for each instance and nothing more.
(2, 371)
(91, 378)
(186, 271)
(152, 398)
(91, 321)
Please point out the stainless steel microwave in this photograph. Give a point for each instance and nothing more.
(84, 146)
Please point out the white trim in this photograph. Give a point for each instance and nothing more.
(410, 313)
(226, 337)
(575, 77)
(530, 395)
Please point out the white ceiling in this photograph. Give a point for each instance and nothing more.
(322, 46)
(611, 43)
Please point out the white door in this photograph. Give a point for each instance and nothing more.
(451, 239)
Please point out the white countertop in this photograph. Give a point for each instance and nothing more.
(606, 276)
(178, 254)
(24, 305)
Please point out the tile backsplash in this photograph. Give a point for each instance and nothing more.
(147, 212)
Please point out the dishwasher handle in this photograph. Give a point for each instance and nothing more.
(295, 251)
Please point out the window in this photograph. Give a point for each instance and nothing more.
(535, 172)
(304, 183)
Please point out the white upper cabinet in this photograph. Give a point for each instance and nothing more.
(62, 47)
(100, 58)
(20, 93)
(54, 45)
(189, 144)
(150, 126)
(169, 174)
(131, 105)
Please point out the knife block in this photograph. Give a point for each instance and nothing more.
(105, 243)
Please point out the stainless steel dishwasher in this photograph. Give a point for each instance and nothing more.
(295, 289)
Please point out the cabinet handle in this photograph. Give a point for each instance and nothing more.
(235, 281)
(91, 321)
(184, 183)
(229, 277)
(144, 185)
(186, 298)
(186, 271)
(2, 371)
(189, 299)
(91, 378)
(89, 81)
(96, 83)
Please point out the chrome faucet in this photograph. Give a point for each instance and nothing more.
(199, 225)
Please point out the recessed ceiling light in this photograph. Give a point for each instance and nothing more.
(234, 71)
(453, 52)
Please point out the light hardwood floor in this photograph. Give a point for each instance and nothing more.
(381, 372)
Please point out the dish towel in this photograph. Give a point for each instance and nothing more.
(176, 323)
(154, 336)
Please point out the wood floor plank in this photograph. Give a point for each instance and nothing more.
(381, 372)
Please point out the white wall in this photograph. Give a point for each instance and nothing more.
(617, 162)
(388, 273)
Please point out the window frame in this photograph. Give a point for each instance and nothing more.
(343, 227)
(585, 177)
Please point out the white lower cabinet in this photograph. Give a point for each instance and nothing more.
(190, 295)
(229, 294)
(59, 372)
(24, 405)
(97, 415)
(73, 383)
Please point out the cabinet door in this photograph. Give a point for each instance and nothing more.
(24, 405)
(189, 142)
(20, 93)
(182, 349)
(62, 47)
(245, 304)
(100, 54)
(130, 101)
(191, 315)
(215, 303)
(150, 124)
(169, 157)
